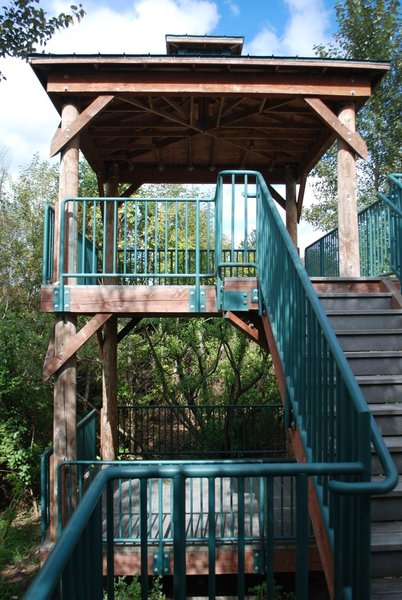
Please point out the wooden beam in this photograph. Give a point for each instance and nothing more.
(352, 138)
(127, 328)
(211, 83)
(54, 363)
(300, 196)
(277, 196)
(63, 136)
(251, 329)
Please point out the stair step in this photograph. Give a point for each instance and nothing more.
(355, 340)
(365, 319)
(355, 301)
(386, 547)
(388, 507)
(386, 589)
(375, 363)
(388, 417)
(394, 445)
(381, 389)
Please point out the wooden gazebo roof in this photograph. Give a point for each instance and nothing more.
(203, 107)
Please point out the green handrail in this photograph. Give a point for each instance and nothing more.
(86, 450)
(324, 402)
(75, 564)
(160, 513)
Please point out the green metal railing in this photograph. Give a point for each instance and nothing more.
(380, 239)
(86, 451)
(160, 503)
(324, 402)
(74, 568)
(223, 431)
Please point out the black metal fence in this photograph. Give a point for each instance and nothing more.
(200, 431)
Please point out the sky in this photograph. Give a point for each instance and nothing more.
(28, 120)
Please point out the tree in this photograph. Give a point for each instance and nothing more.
(368, 30)
(24, 26)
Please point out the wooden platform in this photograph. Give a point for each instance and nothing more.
(157, 300)
(126, 527)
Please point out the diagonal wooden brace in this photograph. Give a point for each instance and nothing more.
(54, 362)
(63, 136)
(352, 138)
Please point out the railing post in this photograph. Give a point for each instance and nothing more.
(110, 540)
(179, 537)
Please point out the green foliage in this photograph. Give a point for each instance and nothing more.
(24, 26)
(367, 30)
(125, 590)
(260, 592)
(19, 559)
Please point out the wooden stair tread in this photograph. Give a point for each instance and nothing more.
(386, 589)
(386, 535)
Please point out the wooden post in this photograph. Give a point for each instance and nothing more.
(65, 405)
(291, 204)
(349, 255)
(109, 415)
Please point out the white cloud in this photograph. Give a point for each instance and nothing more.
(307, 25)
(233, 7)
(28, 119)
(136, 30)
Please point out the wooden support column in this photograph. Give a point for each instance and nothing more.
(65, 404)
(109, 416)
(291, 204)
(349, 255)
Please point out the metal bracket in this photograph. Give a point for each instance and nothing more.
(161, 565)
(235, 300)
(56, 299)
(197, 300)
(259, 562)
(66, 299)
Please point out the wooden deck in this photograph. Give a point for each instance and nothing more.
(160, 541)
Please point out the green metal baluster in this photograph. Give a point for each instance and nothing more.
(240, 540)
(301, 538)
(179, 537)
(143, 484)
(146, 243)
(166, 235)
(125, 237)
(109, 541)
(156, 241)
(270, 537)
(211, 538)
(115, 210)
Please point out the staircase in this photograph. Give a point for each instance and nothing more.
(368, 325)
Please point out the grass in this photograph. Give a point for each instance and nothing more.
(19, 552)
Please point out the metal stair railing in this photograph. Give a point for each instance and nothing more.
(74, 569)
(324, 402)
(380, 239)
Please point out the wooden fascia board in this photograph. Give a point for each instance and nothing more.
(352, 138)
(55, 362)
(224, 82)
(63, 136)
